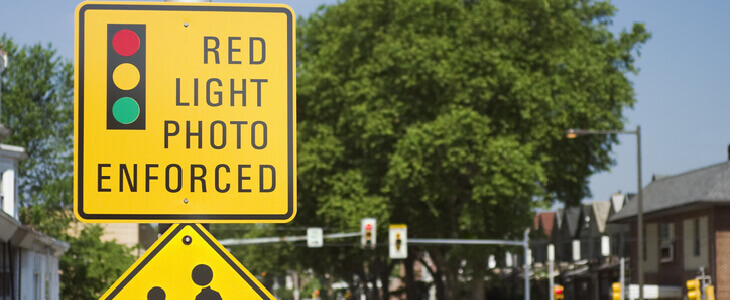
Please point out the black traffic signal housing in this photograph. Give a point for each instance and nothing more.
(126, 76)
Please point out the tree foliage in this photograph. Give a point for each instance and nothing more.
(450, 116)
(37, 107)
(90, 266)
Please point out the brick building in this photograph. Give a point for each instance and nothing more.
(686, 228)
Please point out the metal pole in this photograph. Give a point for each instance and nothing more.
(621, 277)
(527, 265)
(640, 217)
(295, 278)
(3, 63)
(465, 242)
(551, 280)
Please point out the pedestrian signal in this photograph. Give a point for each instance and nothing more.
(398, 241)
(126, 69)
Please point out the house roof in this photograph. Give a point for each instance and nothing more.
(618, 200)
(12, 231)
(558, 218)
(709, 185)
(601, 209)
(546, 220)
(572, 218)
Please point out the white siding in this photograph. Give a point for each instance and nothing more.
(8, 191)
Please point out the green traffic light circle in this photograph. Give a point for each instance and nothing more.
(125, 110)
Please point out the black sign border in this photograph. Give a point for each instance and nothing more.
(197, 217)
(167, 239)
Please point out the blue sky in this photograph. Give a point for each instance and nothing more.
(682, 105)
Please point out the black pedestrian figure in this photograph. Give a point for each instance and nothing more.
(156, 293)
(202, 276)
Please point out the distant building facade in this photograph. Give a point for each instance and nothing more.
(686, 228)
(28, 258)
(587, 249)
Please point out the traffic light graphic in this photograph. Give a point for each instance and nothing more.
(126, 68)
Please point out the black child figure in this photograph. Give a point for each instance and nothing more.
(156, 293)
(202, 276)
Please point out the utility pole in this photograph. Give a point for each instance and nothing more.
(551, 277)
(621, 277)
(527, 264)
(3, 65)
(4, 131)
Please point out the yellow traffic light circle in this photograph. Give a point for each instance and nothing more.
(126, 76)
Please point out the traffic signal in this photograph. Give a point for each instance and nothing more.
(616, 290)
(368, 231)
(398, 241)
(710, 292)
(125, 74)
(558, 292)
(693, 289)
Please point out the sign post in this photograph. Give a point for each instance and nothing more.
(185, 113)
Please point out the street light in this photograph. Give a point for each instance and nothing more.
(573, 133)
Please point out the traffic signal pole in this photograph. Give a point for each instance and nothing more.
(621, 275)
(523, 243)
(278, 239)
(551, 267)
(527, 264)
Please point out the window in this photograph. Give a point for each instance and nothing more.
(697, 237)
(666, 242)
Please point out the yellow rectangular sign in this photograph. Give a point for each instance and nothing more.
(185, 113)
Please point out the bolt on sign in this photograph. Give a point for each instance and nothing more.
(185, 113)
(195, 266)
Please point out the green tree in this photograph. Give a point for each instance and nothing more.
(37, 107)
(90, 266)
(449, 116)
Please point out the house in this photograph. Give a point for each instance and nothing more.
(686, 228)
(28, 258)
(588, 248)
(540, 236)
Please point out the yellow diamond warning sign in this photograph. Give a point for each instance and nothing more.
(187, 263)
(185, 113)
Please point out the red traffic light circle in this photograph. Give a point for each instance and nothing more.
(125, 42)
(368, 226)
